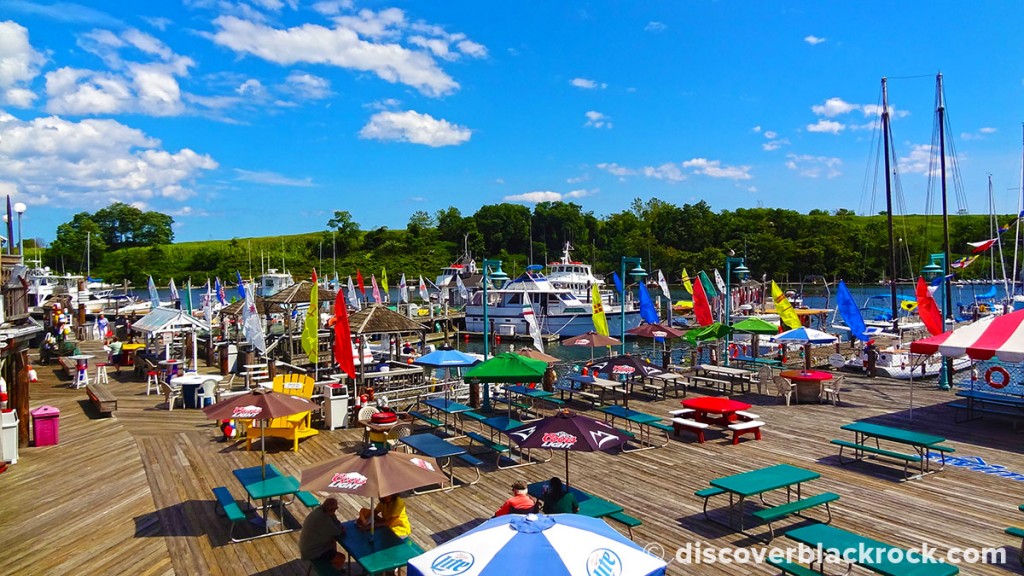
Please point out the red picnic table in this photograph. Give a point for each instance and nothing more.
(808, 383)
(725, 409)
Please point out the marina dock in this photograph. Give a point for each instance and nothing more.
(131, 493)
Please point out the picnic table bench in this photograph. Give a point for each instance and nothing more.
(979, 402)
(102, 398)
(921, 443)
(874, 555)
(741, 486)
(710, 382)
(69, 366)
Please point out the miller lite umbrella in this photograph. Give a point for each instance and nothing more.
(555, 545)
(258, 404)
(374, 473)
(567, 431)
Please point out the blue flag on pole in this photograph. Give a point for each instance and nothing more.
(647, 311)
(241, 286)
(618, 282)
(850, 312)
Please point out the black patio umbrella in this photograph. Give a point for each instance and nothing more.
(627, 364)
(567, 431)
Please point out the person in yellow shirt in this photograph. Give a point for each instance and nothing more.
(390, 512)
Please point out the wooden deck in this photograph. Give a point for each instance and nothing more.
(131, 494)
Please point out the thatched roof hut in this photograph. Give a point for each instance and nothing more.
(299, 293)
(262, 307)
(378, 319)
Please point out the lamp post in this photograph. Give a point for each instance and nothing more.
(500, 277)
(936, 268)
(20, 208)
(740, 270)
(638, 273)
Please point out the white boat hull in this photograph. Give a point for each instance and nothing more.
(509, 322)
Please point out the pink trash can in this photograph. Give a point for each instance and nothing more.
(46, 423)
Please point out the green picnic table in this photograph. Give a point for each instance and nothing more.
(921, 442)
(762, 480)
(876, 556)
(590, 505)
(380, 551)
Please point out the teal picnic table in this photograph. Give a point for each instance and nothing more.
(922, 444)
(876, 556)
(378, 552)
(757, 482)
(590, 505)
(265, 488)
(642, 419)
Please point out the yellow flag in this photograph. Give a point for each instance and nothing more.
(384, 281)
(600, 321)
(783, 308)
(310, 330)
(687, 283)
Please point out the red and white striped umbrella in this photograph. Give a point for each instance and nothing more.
(1002, 336)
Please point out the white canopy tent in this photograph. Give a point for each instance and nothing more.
(164, 320)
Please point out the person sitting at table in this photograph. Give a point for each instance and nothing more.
(558, 500)
(520, 502)
(320, 531)
(390, 512)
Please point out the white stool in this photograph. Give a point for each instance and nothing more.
(82, 378)
(101, 373)
(152, 381)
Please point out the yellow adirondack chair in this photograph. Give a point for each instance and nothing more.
(296, 426)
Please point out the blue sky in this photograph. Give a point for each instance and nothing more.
(259, 117)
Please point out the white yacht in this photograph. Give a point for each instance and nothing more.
(271, 282)
(557, 310)
(573, 275)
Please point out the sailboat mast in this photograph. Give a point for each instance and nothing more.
(888, 205)
(994, 225)
(945, 209)
(1020, 208)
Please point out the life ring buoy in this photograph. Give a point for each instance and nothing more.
(734, 351)
(908, 305)
(1002, 381)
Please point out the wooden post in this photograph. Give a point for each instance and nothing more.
(20, 394)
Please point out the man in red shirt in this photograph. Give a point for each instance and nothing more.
(520, 502)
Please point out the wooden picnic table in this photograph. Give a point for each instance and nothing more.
(874, 555)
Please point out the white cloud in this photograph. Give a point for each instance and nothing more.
(714, 169)
(19, 65)
(307, 86)
(272, 178)
(814, 166)
(668, 171)
(411, 126)
(655, 26)
(578, 179)
(979, 135)
(251, 87)
(813, 40)
(342, 46)
(774, 144)
(472, 49)
(587, 84)
(770, 134)
(597, 120)
(919, 160)
(616, 170)
(834, 107)
(827, 126)
(546, 196)
(91, 163)
(332, 7)
(756, 129)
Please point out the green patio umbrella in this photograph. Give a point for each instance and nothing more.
(715, 331)
(755, 326)
(508, 367)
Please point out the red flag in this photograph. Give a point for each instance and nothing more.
(701, 307)
(343, 338)
(927, 309)
(359, 282)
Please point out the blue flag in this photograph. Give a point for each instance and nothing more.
(618, 282)
(220, 292)
(850, 312)
(241, 286)
(647, 311)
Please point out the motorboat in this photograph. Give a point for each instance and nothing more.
(557, 310)
(271, 282)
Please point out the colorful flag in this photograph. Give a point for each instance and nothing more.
(384, 283)
(701, 305)
(343, 336)
(376, 289)
(311, 329)
(927, 309)
(188, 295)
(647, 311)
(719, 282)
(359, 282)
(531, 321)
(241, 285)
(663, 284)
(687, 283)
(221, 297)
(619, 289)
(154, 297)
(600, 320)
(251, 325)
(784, 308)
(463, 292)
(10, 225)
(963, 262)
(423, 290)
(353, 298)
(208, 303)
(707, 284)
(982, 246)
(850, 312)
(174, 291)
(403, 290)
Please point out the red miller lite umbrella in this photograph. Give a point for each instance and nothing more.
(567, 431)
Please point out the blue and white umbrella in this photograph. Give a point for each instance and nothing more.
(555, 545)
(804, 336)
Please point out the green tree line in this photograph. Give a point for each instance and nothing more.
(127, 243)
